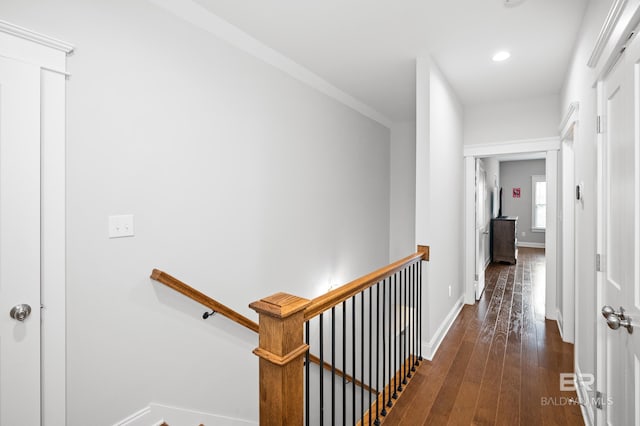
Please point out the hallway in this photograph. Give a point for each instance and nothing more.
(500, 362)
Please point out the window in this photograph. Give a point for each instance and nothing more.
(538, 203)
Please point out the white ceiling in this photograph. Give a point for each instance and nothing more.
(367, 48)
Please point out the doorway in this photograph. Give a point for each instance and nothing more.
(570, 194)
(550, 147)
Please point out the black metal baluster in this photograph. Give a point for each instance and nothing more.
(308, 378)
(413, 311)
(415, 316)
(420, 309)
(409, 332)
(344, 362)
(384, 347)
(370, 348)
(405, 367)
(412, 285)
(409, 320)
(333, 365)
(403, 277)
(377, 422)
(321, 333)
(353, 358)
(395, 337)
(362, 355)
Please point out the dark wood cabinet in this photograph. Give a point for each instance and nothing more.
(504, 242)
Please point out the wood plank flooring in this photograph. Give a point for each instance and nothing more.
(501, 361)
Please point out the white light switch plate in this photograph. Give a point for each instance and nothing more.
(121, 226)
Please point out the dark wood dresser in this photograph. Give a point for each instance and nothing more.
(504, 241)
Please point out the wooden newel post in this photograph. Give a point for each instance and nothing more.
(281, 349)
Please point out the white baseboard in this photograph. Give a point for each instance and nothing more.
(139, 418)
(530, 245)
(583, 397)
(156, 414)
(431, 348)
(559, 322)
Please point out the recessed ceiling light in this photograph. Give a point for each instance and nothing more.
(501, 56)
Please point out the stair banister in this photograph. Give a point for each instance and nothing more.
(282, 348)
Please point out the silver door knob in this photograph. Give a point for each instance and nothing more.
(608, 310)
(614, 322)
(20, 312)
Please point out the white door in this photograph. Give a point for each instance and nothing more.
(619, 278)
(19, 242)
(482, 230)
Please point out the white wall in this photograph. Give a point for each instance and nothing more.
(508, 121)
(243, 182)
(578, 87)
(439, 195)
(403, 190)
(517, 174)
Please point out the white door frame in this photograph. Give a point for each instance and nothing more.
(50, 55)
(566, 312)
(550, 146)
(480, 237)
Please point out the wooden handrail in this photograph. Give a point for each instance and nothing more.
(328, 300)
(203, 299)
(224, 310)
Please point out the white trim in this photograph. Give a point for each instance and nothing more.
(551, 234)
(601, 331)
(569, 119)
(203, 18)
(469, 231)
(583, 397)
(139, 417)
(432, 346)
(618, 38)
(155, 414)
(31, 52)
(35, 37)
(615, 12)
(566, 219)
(530, 245)
(53, 240)
(559, 322)
(512, 147)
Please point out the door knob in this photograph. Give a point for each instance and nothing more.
(608, 310)
(614, 322)
(20, 312)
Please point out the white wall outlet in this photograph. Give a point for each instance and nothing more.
(522, 234)
(449, 291)
(121, 226)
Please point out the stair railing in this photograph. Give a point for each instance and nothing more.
(224, 310)
(375, 336)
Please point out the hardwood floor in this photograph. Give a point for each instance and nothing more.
(500, 364)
